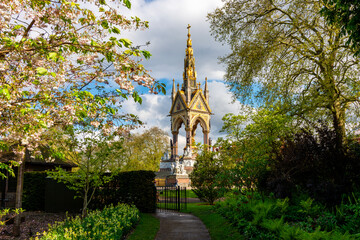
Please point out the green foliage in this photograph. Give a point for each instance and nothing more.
(254, 138)
(7, 167)
(327, 221)
(348, 215)
(110, 223)
(136, 187)
(10, 213)
(308, 208)
(310, 162)
(283, 53)
(141, 151)
(260, 217)
(91, 150)
(203, 176)
(34, 191)
(346, 15)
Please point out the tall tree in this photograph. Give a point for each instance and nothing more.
(283, 52)
(253, 139)
(142, 151)
(91, 151)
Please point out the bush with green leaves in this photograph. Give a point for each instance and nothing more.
(310, 161)
(110, 223)
(204, 176)
(134, 187)
(34, 191)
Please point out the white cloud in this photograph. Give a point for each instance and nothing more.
(168, 20)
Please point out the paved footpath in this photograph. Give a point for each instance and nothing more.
(180, 226)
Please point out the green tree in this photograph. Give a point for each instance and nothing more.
(346, 15)
(283, 53)
(142, 151)
(253, 139)
(91, 151)
(204, 176)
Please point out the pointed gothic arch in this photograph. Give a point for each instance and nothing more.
(204, 126)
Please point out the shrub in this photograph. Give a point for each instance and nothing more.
(348, 215)
(110, 223)
(135, 187)
(327, 221)
(314, 163)
(204, 175)
(34, 191)
(270, 218)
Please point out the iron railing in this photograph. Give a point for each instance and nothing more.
(171, 198)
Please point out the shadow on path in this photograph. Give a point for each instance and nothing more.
(180, 226)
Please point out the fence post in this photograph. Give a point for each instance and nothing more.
(178, 198)
(185, 201)
(166, 198)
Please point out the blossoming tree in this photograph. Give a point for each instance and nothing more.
(62, 61)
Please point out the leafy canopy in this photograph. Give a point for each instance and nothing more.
(346, 15)
(283, 53)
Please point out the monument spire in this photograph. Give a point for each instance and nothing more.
(206, 90)
(189, 75)
(190, 109)
(173, 92)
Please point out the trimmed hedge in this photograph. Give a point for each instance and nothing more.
(136, 187)
(34, 191)
(41, 193)
(110, 223)
(45, 194)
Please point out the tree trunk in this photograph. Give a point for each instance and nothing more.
(85, 203)
(339, 125)
(19, 191)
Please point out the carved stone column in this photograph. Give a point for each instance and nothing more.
(206, 137)
(175, 144)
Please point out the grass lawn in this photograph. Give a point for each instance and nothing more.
(191, 194)
(146, 229)
(218, 227)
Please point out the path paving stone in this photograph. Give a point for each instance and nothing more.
(180, 226)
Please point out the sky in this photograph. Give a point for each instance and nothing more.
(167, 33)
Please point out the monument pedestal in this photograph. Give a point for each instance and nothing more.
(181, 180)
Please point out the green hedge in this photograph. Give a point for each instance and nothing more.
(110, 223)
(34, 191)
(41, 193)
(44, 194)
(136, 187)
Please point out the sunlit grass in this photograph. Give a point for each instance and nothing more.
(146, 229)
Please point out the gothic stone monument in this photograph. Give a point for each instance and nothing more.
(190, 107)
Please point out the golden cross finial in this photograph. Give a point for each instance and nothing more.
(188, 27)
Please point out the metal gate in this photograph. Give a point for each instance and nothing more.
(171, 198)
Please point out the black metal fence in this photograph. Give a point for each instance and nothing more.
(171, 198)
